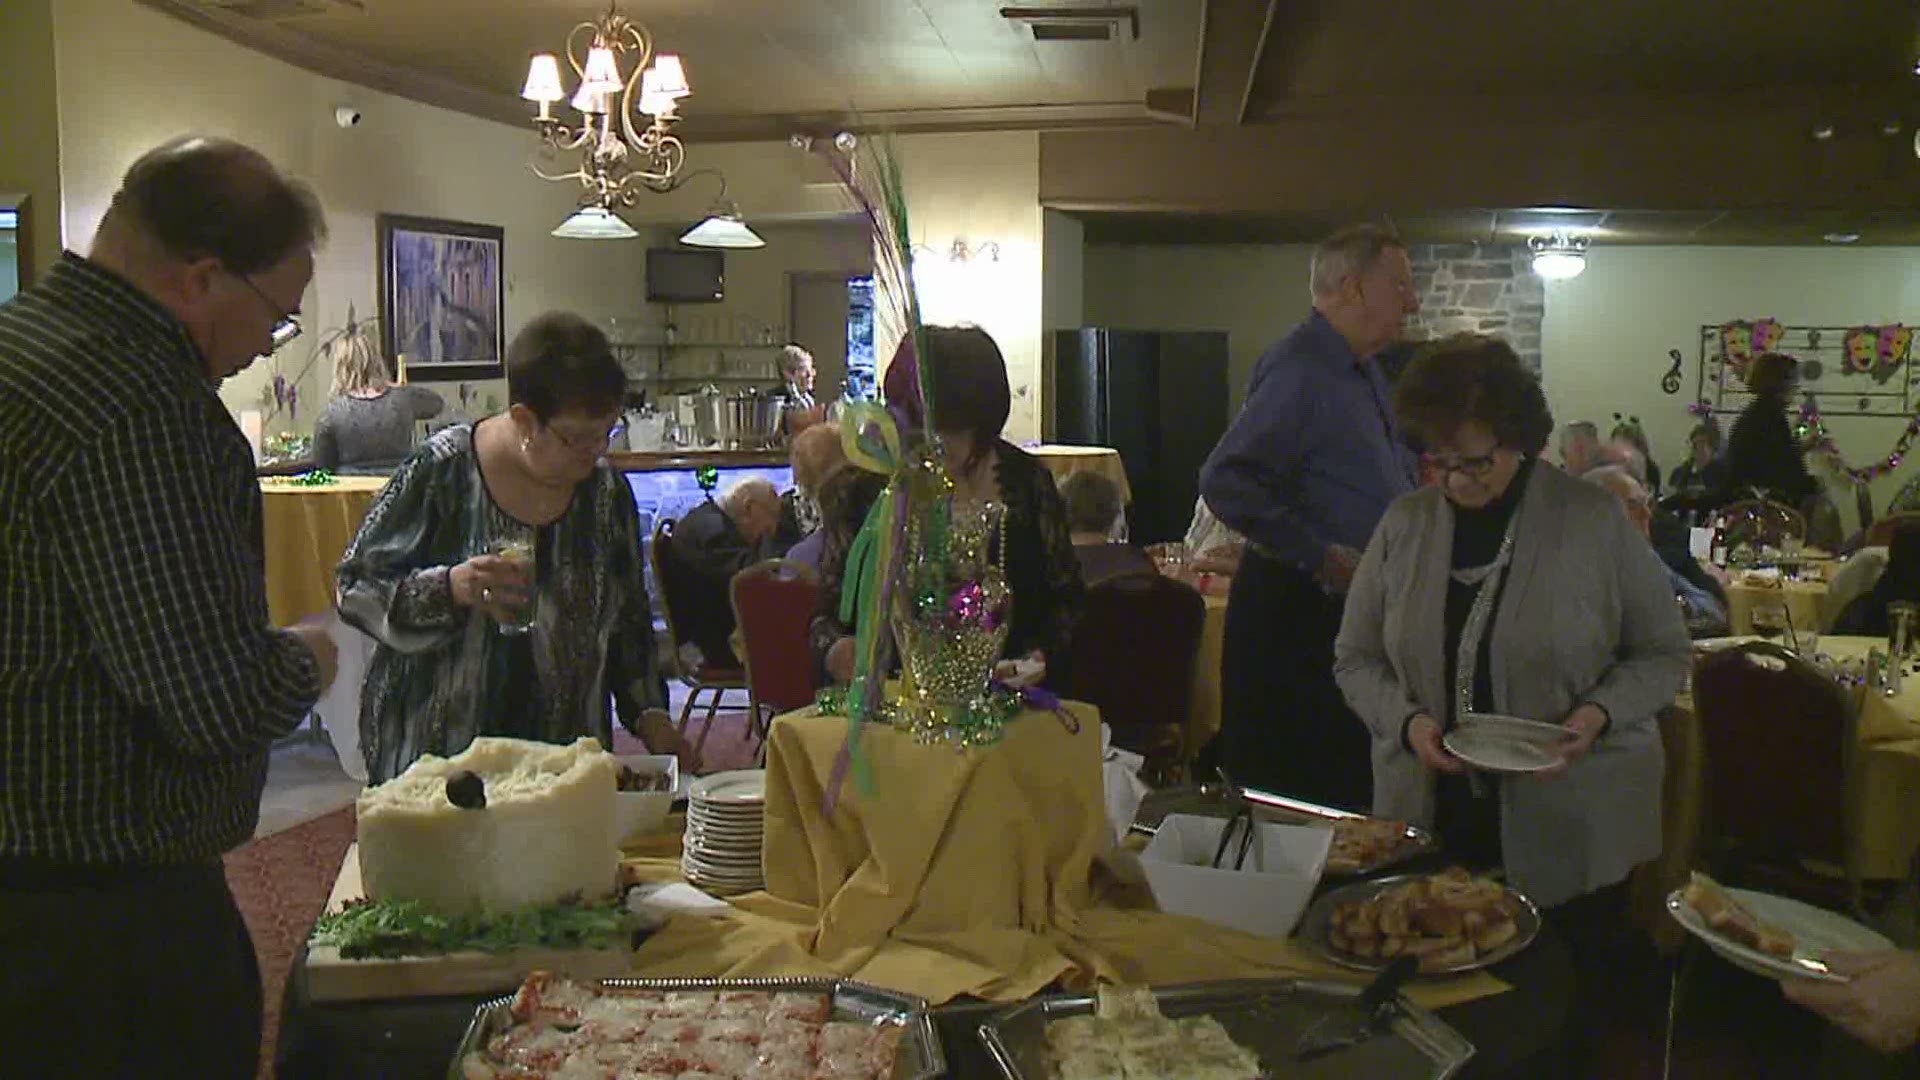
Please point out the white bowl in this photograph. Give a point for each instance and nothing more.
(636, 813)
(1266, 896)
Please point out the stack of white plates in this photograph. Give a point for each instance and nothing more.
(725, 822)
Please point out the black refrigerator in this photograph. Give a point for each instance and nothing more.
(1159, 398)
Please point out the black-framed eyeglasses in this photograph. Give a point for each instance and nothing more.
(286, 326)
(1472, 467)
(591, 443)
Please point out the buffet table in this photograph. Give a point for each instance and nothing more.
(974, 880)
(1515, 1035)
(307, 528)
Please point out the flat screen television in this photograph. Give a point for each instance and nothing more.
(680, 276)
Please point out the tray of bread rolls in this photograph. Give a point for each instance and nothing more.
(1452, 920)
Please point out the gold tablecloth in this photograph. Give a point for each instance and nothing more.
(960, 873)
(1807, 604)
(1203, 703)
(1063, 461)
(307, 530)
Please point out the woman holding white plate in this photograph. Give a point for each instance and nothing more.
(1512, 588)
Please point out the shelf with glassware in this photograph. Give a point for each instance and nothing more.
(663, 363)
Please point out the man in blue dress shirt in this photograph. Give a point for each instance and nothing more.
(1305, 472)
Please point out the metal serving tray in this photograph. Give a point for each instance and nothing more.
(1267, 1016)
(1315, 925)
(1210, 800)
(920, 1056)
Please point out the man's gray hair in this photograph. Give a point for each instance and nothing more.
(195, 197)
(745, 492)
(1579, 431)
(1620, 481)
(1349, 252)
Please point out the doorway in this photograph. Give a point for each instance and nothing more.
(817, 311)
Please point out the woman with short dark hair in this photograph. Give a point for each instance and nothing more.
(1510, 587)
(972, 400)
(500, 571)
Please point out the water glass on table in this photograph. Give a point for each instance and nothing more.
(1770, 619)
(517, 548)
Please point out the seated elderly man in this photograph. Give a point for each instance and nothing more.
(713, 542)
(816, 453)
(1093, 506)
(1705, 610)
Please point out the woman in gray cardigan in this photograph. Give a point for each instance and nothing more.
(1571, 620)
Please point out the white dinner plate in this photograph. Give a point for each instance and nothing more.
(728, 875)
(738, 788)
(1530, 730)
(725, 868)
(709, 813)
(1815, 930)
(705, 835)
(711, 854)
(1497, 751)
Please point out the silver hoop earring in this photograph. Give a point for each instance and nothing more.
(525, 445)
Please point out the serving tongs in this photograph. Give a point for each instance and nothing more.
(1371, 1014)
(1239, 826)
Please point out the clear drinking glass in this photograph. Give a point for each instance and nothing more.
(516, 546)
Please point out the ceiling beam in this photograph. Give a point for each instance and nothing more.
(284, 43)
(1724, 150)
(1233, 34)
(309, 54)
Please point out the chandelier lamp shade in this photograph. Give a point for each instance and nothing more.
(627, 102)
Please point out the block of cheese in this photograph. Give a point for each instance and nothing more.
(545, 831)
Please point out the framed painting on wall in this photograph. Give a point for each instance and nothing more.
(442, 297)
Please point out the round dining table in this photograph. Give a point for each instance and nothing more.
(307, 528)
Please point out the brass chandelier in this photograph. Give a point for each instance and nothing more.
(620, 79)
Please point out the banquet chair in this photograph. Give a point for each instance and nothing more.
(1132, 657)
(703, 678)
(773, 604)
(1782, 742)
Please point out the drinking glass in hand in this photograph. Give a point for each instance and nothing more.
(519, 551)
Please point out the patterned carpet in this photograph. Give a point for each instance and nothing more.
(282, 881)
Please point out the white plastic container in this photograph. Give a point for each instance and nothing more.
(637, 813)
(1266, 896)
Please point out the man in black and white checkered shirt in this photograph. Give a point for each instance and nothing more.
(141, 684)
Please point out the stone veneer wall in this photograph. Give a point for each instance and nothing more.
(1484, 288)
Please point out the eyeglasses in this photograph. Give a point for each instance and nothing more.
(1473, 467)
(590, 443)
(285, 326)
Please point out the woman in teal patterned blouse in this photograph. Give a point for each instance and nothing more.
(476, 635)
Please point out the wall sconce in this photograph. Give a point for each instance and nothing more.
(949, 281)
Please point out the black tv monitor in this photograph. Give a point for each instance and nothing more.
(682, 276)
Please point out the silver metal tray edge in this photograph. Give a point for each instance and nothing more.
(492, 1015)
(1448, 1049)
(1285, 810)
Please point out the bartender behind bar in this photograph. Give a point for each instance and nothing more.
(1305, 473)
